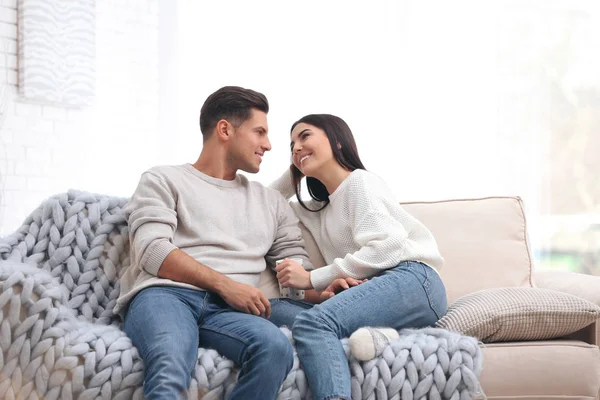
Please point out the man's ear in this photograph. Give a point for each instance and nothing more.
(223, 129)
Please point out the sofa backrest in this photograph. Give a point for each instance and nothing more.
(483, 241)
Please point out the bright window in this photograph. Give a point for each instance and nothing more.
(446, 99)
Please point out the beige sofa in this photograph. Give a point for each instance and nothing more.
(485, 245)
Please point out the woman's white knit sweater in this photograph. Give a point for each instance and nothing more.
(363, 231)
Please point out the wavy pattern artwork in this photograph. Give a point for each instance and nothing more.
(57, 52)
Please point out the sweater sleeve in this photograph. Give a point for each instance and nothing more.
(382, 241)
(284, 185)
(152, 222)
(378, 232)
(288, 241)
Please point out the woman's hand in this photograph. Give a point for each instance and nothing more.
(296, 171)
(292, 274)
(339, 285)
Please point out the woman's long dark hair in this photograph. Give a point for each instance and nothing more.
(344, 151)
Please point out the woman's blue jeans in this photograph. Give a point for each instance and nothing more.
(410, 295)
(168, 324)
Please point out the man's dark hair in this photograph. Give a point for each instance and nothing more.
(231, 103)
(344, 151)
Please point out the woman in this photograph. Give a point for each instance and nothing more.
(363, 234)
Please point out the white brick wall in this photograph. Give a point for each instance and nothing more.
(47, 149)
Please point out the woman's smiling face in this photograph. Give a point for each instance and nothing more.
(310, 147)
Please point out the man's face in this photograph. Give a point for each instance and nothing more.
(249, 143)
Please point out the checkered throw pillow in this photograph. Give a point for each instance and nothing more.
(510, 314)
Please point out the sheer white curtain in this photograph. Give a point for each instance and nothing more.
(446, 99)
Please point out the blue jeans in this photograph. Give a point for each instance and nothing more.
(168, 324)
(410, 295)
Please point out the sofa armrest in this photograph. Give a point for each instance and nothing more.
(584, 286)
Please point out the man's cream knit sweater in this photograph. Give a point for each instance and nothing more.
(363, 231)
(234, 227)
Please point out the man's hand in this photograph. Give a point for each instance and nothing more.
(339, 285)
(180, 267)
(246, 298)
(292, 274)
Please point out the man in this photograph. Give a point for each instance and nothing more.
(200, 237)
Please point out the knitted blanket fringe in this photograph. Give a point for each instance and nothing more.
(59, 280)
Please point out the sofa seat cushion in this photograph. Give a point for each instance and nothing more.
(541, 370)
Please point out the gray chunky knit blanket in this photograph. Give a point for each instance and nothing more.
(59, 281)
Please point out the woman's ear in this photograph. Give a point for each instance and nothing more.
(339, 145)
